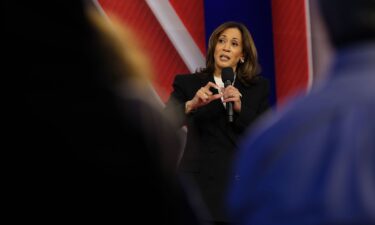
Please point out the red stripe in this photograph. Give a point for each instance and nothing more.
(166, 62)
(290, 47)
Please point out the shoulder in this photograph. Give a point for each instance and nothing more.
(183, 76)
(258, 84)
(189, 77)
(260, 80)
(257, 80)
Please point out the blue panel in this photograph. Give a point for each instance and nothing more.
(257, 16)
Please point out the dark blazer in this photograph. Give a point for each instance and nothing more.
(211, 140)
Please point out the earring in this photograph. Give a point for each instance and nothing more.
(242, 60)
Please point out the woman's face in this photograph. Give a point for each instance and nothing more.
(228, 49)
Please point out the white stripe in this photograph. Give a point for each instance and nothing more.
(309, 46)
(177, 33)
(100, 9)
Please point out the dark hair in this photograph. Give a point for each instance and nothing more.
(250, 67)
(349, 21)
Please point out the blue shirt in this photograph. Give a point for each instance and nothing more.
(314, 161)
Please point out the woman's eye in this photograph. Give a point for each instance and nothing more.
(235, 44)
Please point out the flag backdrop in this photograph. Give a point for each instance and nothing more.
(175, 33)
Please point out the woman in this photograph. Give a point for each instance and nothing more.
(199, 101)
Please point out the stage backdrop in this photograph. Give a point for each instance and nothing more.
(175, 34)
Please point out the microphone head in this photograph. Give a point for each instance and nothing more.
(227, 74)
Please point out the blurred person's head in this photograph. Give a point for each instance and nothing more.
(231, 45)
(79, 65)
(120, 50)
(348, 21)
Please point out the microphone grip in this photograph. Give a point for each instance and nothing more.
(229, 105)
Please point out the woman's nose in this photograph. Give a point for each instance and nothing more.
(226, 47)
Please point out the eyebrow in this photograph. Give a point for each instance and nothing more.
(226, 36)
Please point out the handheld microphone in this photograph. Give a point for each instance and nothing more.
(227, 76)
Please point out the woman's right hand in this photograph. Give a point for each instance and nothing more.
(202, 97)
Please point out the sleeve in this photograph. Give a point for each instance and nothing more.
(175, 105)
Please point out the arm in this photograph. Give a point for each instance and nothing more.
(175, 106)
(202, 97)
(189, 95)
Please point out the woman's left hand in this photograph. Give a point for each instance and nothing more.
(231, 94)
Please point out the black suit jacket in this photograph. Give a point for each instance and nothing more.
(211, 140)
